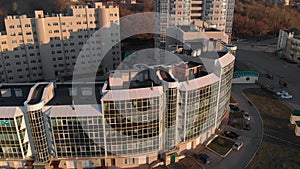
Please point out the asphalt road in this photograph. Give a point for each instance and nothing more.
(252, 138)
(253, 58)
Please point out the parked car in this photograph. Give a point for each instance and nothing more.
(204, 158)
(237, 145)
(234, 108)
(281, 93)
(247, 116)
(231, 134)
(286, 96)
(247, 125)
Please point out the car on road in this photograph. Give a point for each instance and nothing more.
(281, 93)
(247, 125)
(286, 96)
(204, 158)
(231, 134)
(237, 145)
(247, 116)
(234, 108)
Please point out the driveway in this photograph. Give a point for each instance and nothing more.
(252, 139)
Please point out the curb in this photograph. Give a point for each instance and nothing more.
(262, 127)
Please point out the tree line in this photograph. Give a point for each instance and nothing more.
(255, 18)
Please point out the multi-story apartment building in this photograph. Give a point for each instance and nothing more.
(139, 115)
(292, 50)
(48, 46)
(171, 13)
(283, 36)
(215, 13)
(219, 14)
(288, 45)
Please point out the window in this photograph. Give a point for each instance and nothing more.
(11, 26)
(129, 161)
(27, 25)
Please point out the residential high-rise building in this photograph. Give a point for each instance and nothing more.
(47, 47)
(219, 14)
(171, 13)
(139, 115)
(203, 13)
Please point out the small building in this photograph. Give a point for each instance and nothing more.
(245, 77)
(295, 116)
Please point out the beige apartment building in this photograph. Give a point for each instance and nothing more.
(47, 47)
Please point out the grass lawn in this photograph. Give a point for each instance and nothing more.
(275, 114)
(221, 145)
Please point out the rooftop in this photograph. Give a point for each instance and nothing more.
(142, 84)
(239, 74)
(192, 64)
(14, 95)
(212, 30)
(298, 123)
(296, 112)
(77, 94)
(166, 76)
(37, 94)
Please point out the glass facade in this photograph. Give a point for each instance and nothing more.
(9, 139)
(132, 126)
(225, 89)
(37, 126)
(78, 136)
(200, 109)
(170, 118)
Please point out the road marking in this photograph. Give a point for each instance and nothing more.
(286, 141)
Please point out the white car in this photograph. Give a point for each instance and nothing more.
(237, 145)
(281, 93)
(286, 96)
(247, 116)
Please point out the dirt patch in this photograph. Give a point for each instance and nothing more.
(279, 148)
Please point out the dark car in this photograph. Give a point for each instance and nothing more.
(234, 108)
(247, 125)
(231, 134)
(204, 158)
